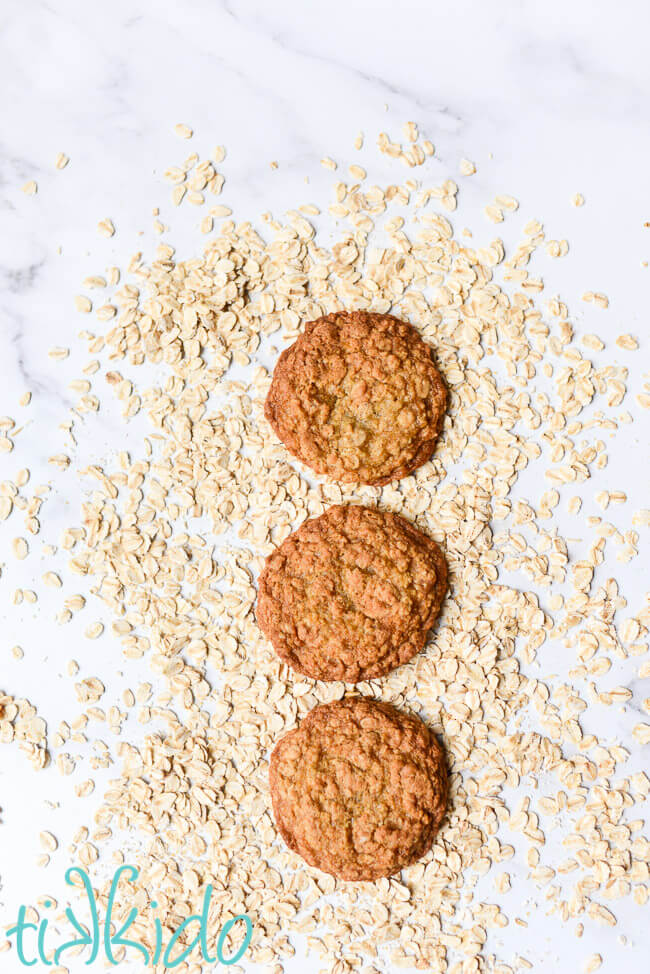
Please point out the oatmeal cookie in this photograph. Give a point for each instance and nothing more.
(351, 594)
(358, 398)
(359, 789)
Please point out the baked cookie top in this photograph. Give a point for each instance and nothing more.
(351, 594)
(358, 398)
(359, 789)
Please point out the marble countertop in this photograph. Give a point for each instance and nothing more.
(547, 99)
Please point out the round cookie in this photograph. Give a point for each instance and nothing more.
(359, 789)
(351, 594)
(358, 398)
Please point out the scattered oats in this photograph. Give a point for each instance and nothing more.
(467, 167)
(17, 652)
(578, 199)
(61, 160)
(184, 131)
(328, 163)
(82, 303)
(358, 141)
(196, 787)
(220, 211)
(25, 399)
(30, 188)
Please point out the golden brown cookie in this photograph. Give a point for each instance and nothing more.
(359, 789)
(351, 594)
(358, 398)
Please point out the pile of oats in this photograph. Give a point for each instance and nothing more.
(173, 539)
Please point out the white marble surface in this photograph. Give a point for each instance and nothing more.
(548, 99)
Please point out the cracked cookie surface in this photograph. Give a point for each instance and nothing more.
(351, 594)
(359, 789)
(358, 398)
